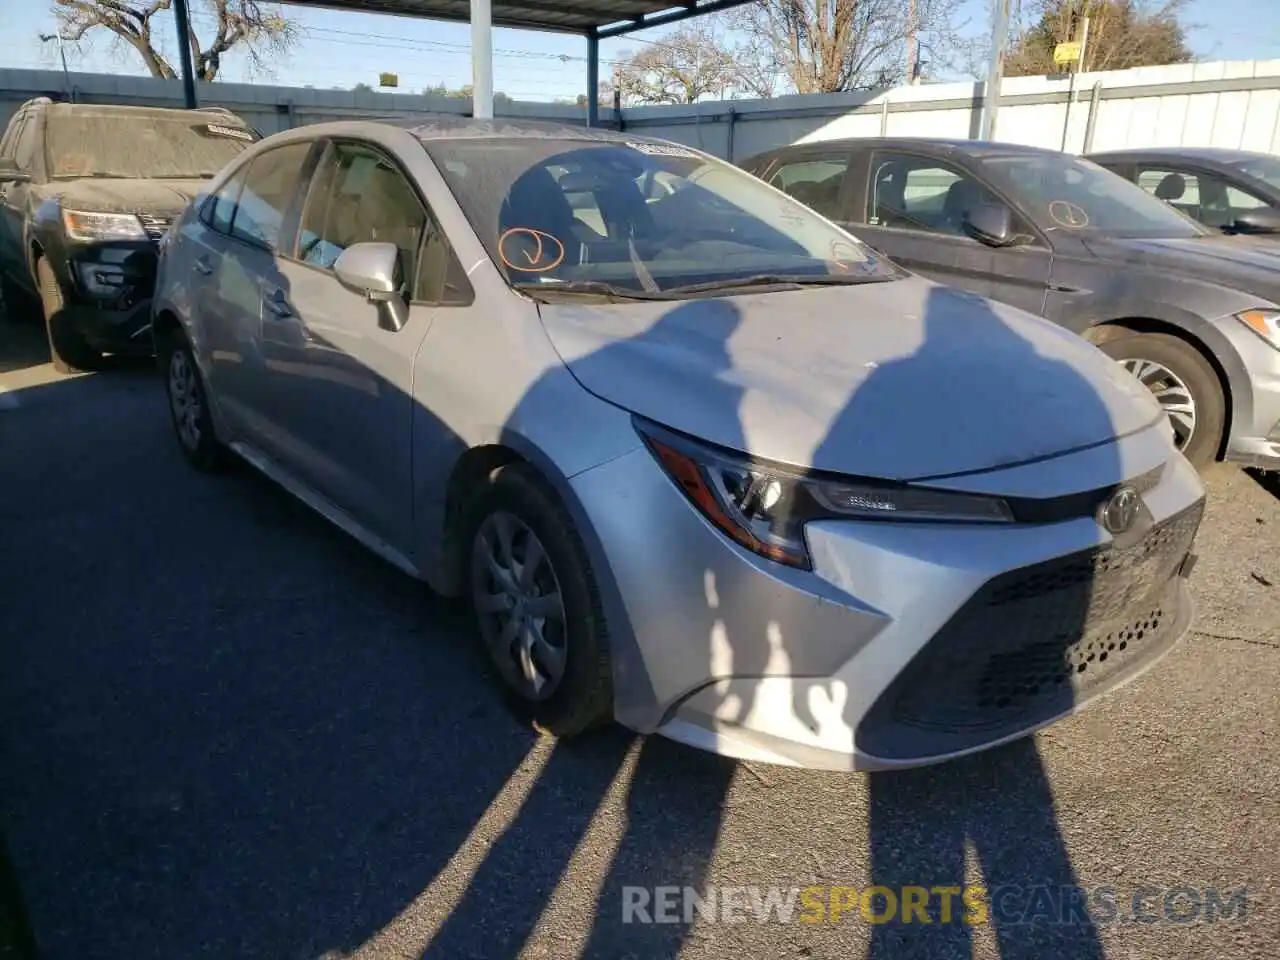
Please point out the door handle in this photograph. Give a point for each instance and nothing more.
(278, 304)
(201, 265)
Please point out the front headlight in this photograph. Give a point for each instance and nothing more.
(764, 507)
(1265, 323)
(97, 227)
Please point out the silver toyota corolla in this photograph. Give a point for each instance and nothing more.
(701, 461)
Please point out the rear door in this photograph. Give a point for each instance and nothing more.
(13, 199)
(912, 211)
(243, 222)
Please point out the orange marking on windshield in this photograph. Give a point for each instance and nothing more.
(535, 258)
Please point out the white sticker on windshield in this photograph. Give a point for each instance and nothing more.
(662, 149)
(232, 132)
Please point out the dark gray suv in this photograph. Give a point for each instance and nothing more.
(1193, 314)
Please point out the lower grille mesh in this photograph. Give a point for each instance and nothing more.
(1032, 642)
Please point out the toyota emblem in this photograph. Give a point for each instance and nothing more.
(1120, 511)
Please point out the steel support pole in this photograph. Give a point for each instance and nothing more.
(593, 80)
(995, 72)
(482, 59)
(184, 52)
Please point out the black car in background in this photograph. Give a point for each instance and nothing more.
(1195, 315)
(1233, 191)
(86, 193)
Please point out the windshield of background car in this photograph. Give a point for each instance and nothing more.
(142, 146)
(1068, 195)
(1266, 169)
(638, 216)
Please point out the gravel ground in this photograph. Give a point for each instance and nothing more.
(227, 731)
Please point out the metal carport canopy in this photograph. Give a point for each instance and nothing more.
(595, 19)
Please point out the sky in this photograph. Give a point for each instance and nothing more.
(339, 49)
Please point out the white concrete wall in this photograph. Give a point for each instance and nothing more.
(1228, 104)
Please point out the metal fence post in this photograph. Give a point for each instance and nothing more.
(1095, 98)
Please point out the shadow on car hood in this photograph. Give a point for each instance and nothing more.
(902, 380)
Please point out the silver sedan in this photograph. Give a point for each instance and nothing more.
(700, 461)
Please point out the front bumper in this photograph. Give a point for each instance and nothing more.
(108, 295)
(907, 644)
(1255, 422)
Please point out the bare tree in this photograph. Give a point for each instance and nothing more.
(1122, 34)
(257, 29)
(830, 45)
(682, 67)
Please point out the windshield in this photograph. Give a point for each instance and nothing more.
(1266, 169)
(1069, 195)
(639, 216)
(142, 146)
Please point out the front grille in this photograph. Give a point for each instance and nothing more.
(1033, 641)
(156, 227)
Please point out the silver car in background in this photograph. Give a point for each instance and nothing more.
(700, 461)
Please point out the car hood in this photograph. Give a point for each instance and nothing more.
(158, 198)
(901, 380)
(1250, 264)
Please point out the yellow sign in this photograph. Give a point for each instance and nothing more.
(388, 80)
(1067, 52)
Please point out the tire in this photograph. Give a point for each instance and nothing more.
(70, 352)
(188, 405)
(581, 697)
(1160, 360)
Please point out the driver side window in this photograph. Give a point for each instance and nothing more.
(359, 195)
(916, 193)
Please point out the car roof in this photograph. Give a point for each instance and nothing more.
(448, 127)
(62, 107)
(1208, 154)
(938, 145)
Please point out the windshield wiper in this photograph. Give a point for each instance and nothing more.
(589, 287)
(789, 281)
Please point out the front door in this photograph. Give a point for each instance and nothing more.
(343, 377)
(914, 213)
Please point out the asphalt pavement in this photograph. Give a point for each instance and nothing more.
(228, 731)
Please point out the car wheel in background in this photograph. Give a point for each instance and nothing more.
(536, 604)
(71, 353)
(188, 407)
(1185, 385)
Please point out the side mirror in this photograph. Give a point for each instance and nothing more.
(374, 270)
(1258, 220)
(9, 172)
(990, 223)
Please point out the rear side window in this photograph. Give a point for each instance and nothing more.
(24, 148)
(814, 181)
(359, 195)
(269, 188)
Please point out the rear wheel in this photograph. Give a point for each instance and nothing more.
(70, 351)
(1185, 385)
(188, 405)
(536, 605)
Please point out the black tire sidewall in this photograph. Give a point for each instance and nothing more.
(208, 455)
(584, 699)
(1190, 366)
(69, 350)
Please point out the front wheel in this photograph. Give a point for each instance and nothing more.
(536, 605)
(69, 350)
(1185, 385)
(188, 405)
